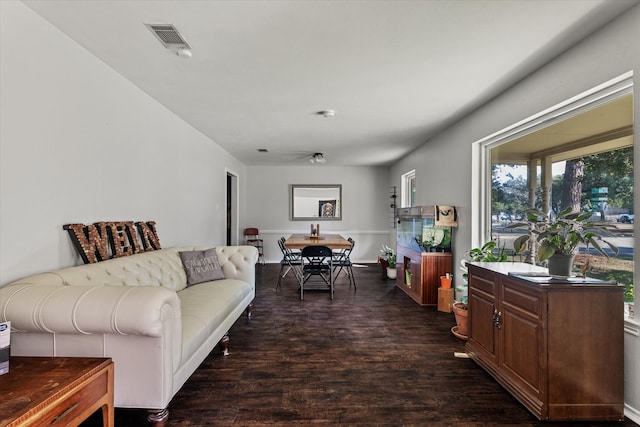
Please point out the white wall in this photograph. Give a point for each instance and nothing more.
(365, 205)
(607, 54)
(80, 144)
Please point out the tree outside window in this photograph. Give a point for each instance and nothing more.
(600, 183)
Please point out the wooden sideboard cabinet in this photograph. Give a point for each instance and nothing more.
(419, 273)
(558, 347)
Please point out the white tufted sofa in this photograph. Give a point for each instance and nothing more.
(136, 310)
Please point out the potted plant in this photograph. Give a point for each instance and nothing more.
(390, 258)
(557, 239)
(485, 253)
(461, 330)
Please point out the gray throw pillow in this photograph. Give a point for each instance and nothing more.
(201, 266)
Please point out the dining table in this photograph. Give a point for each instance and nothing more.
(333, 241)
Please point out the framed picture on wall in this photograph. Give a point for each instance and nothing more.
(327, 208)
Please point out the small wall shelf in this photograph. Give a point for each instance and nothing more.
(393, 204)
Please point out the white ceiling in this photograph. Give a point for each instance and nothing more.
(396, 72)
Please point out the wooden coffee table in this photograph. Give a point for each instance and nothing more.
(56, 391)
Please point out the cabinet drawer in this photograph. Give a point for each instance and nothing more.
(482, 285)
(525, 301)
(76, 402)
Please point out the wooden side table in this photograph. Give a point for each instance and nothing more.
(56, 390)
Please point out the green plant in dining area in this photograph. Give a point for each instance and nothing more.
(389, 255)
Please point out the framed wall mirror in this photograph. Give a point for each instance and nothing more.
(315, 202)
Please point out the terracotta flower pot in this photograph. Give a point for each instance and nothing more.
(462, 318)
(445, 282)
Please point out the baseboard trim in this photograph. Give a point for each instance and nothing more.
(632, 414)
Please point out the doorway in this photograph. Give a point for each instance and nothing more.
(232, 209)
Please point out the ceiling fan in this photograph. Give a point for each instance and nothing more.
(318, 158)
(315, 158)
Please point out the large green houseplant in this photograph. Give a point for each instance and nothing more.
(558, 238)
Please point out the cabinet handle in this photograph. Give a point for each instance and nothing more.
(497, 318)
(64, 413)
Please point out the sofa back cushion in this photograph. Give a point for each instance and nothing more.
(162, 267)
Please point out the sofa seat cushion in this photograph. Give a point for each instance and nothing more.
(206, 307)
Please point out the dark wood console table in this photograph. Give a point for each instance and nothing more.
(556, 345)
(419, 273)
(56, 391)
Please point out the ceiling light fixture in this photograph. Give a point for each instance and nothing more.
(318, 158)
(184, 52)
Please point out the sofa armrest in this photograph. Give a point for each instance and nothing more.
(238, 262)
(125, 310)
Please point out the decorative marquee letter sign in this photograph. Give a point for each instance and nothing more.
(105, 240)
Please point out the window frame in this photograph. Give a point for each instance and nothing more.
(407, 190)
(481, 158)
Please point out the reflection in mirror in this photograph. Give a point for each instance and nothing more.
(315, 202)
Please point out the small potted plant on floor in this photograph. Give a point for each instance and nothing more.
(390, 258)
(557, 239)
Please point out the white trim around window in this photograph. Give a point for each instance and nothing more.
(407, 189)
(481, 154)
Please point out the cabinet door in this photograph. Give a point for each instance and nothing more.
(586, 341)
(522, 339)
(409, 273)
(482, 308)
(434, 265)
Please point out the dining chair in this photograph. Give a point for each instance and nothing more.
(316, 262)
(252, 238)
(290, 262)
(293, 251)
(342, 261)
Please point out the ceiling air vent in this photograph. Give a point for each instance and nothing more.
(168, 35)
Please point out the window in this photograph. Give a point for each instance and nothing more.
(408, 189)
(524, 164)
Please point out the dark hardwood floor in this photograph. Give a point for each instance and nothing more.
(369, 358)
